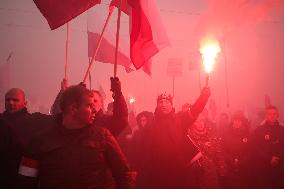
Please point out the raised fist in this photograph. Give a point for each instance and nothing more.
(115, 85)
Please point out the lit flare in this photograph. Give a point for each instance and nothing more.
(131, 100)
(209, 51)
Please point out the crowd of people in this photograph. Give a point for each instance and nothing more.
(79, 146)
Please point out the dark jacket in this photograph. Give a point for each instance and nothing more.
(87, 158)
(16, 131)
(268, 141)
(168, 149)
(236, 144)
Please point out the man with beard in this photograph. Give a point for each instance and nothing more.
(167, 150)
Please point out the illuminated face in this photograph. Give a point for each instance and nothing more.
(98, 104)
(271, 116)
(164, 106)
(143, 121)
(15, 100)
(85, 112)
(237, 124)
(199, 124)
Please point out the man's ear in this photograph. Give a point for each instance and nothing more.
(73, 108)
(26, 103)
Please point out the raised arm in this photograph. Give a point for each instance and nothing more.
(200, 103)
(119, 120)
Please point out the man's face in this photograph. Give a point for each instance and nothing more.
(143, 121)
(199, 124)
(271, 116)
(85, 112)
(164, 106)
(97, 102)
(15, 101)
(237, 124)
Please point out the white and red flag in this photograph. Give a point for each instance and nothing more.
(59, 12)
(147, 33)
(106, 52)
(29, 167)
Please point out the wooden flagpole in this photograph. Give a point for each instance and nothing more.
(66, 52)
(117, 38)
(97, 47)
(90, 76)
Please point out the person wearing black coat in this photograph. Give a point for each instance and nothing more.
(268, 152)
(236, 143)
(17, 128)
(72, 153)
(167, 150)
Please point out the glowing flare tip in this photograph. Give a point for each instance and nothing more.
(132, 100)
(209, 53)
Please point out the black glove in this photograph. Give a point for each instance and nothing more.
(115, 85)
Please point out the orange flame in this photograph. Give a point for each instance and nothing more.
(209, 51)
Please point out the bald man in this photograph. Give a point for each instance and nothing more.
(15, 100)
(16, 129)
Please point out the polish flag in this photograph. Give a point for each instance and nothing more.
(148, 35)
(106, 52)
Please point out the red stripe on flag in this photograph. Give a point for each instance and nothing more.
(28, 162)
(59, 12)
(148, 35)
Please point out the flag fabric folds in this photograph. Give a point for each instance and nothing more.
(106, 52)
(59, 12)
(148, 35)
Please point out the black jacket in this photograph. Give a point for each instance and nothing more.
(16, 131)
(268, 141)
(168, 149)
(87, 158)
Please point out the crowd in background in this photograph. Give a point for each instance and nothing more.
(82, 146)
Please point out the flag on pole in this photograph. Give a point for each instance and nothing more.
(148, 35)
(59, 12)
(95, 22)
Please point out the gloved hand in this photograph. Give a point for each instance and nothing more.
(115, 85)
(64, 84)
